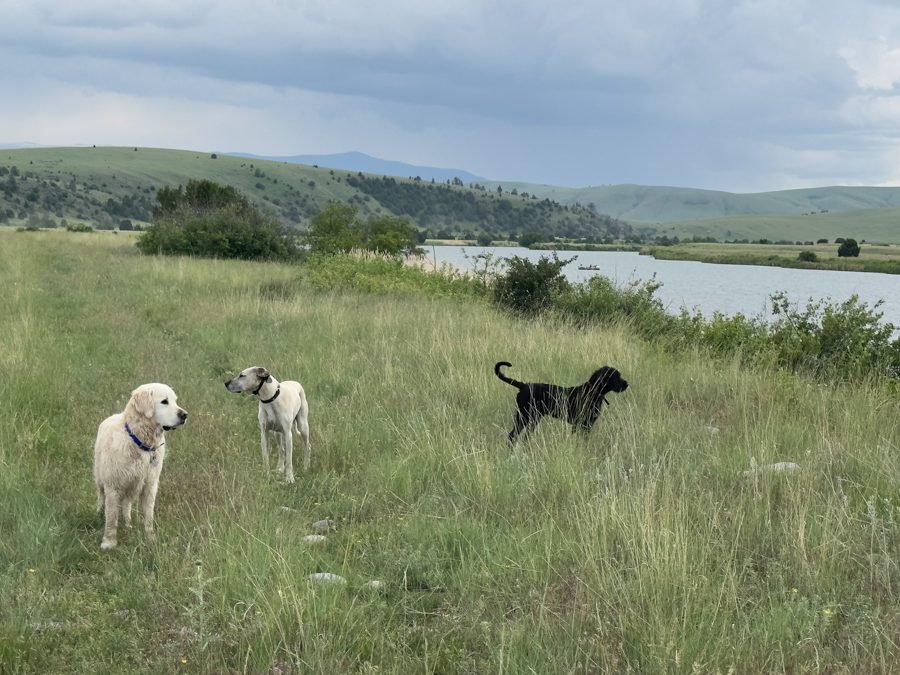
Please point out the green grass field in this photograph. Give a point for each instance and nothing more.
(880, 225)
(642, 548)
(872, 258)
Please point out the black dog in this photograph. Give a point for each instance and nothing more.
(580, 406)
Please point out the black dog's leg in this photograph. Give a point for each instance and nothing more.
(524, 419)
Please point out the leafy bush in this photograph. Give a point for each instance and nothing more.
(222, 234)
(531, 288)
(600, 300)
(210, 220)
(79, 227)
(807, 256)
(842, 341)
(848, 249)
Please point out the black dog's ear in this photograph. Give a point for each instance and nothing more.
(262, 373)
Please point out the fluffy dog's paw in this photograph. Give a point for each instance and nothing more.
(107, 544)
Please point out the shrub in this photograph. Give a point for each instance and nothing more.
(807, 256)
(221, 234)
(529, 239)
(599, 299)
(79, 227)
(842, 341)
(531, 288)
(848, 249)
(210, 220)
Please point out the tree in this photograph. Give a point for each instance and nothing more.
(334, 229)
(484, 239)
(529, 238)
(807, 256)
(848, 249)
(390, 235)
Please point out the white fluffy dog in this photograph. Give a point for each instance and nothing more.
(282, 409)
(129, 454)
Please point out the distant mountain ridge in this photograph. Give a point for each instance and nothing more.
(117, 183)
(643, 204)
(659, 204)
(359, 161)
(114, 186)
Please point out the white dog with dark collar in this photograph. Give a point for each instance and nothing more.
(282, 408)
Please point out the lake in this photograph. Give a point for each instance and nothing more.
(709, 287)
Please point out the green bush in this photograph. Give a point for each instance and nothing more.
(807, 256)
(215, 221)
(531, 288)
(842, 341)
(598, 299)
(848, 249)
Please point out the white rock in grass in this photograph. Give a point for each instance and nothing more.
(314, 539)
(287, 509)
(375, 584)
(777, 467)
(323, 525)
(327, 578)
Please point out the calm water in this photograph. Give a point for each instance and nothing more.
(708, 287)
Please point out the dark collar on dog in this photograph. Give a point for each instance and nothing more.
(269, 400)
(261, 384)
(137, 441)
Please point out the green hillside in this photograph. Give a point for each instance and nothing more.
(657, 204)
(874, 225)
(106, 186)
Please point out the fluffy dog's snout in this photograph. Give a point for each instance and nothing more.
(182, 415)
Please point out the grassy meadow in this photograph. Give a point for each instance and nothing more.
(872, 257)
(643, 548)
(877, 224)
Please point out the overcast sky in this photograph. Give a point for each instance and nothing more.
(741, 96)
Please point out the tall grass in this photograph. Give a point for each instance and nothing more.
(642, 548)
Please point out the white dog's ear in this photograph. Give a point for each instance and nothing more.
(142, 400)
(262, 374)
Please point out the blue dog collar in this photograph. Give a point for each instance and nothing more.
(137, 441)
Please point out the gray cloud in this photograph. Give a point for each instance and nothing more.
(738, 95)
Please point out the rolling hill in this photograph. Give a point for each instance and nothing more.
(107, 186)
(871, 213)
(658, 204)
(358, 161)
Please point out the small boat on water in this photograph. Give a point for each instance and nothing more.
(590, 268)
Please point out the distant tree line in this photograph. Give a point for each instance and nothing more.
(445, 209)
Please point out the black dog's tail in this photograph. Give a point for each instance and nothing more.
(503, 377)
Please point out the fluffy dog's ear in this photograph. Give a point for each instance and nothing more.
(262, 374)
(142, 402)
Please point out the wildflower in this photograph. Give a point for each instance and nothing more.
(183, 661)
(31, 570)
(828, 611)
(794, 591)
